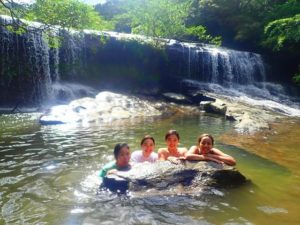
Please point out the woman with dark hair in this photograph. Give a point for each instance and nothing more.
(205, 151)
(122, 158)
(146, 154)
(172, 152)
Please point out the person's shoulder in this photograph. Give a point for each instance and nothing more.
(136, 156)
(182, 150)
(162, 151)
(217, 151)
(109, 165)
(154, 155)
(136, 153)
(193, 149)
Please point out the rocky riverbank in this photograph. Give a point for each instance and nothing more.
(249, 117)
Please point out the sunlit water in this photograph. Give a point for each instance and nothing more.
(48, 175)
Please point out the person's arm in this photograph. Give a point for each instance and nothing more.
(221, 156)
(183, 152)
(192, 155)
(162, 154)
(102, 173)
(106, 169)
(134, 157)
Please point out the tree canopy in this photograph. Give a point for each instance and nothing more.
(156, 18)
(66, 13)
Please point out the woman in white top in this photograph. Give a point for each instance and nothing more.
(146, 154)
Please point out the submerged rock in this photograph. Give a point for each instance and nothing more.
(164, 174)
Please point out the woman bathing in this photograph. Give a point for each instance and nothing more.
(122, 158)
(146, 154)
(205, 151)
(172, 152)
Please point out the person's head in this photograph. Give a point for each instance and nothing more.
(205, 142)
(122, 154)
(172, 139)
(147, 144)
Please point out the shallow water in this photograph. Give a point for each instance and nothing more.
(48, 175)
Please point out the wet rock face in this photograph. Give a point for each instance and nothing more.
(164, 174)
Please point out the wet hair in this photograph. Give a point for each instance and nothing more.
(172, 132)
(147, 137)
(118, 148)
(206, 135)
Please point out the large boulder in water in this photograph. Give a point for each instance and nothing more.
(164, 174)
(105, 107)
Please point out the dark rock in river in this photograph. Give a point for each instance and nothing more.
(162, 175)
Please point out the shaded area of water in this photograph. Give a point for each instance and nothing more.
(48, 176)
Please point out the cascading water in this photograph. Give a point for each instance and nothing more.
(28, 49)
(232, 73)
(217, 65)
(33, 72)
(30, 70)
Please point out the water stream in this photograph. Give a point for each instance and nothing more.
(48, 175)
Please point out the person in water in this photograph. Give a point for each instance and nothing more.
(146, 154)
(122, 158)
(205, 151)
(172, 152)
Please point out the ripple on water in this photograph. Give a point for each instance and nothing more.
(10, 180)
(20, 210)
(271, 210)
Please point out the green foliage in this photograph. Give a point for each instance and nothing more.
(158, 19)
(16, 29)
(296, 77)
(239, 20)
(201, 34)
(4, 11)
(283, 33)
(287, 9)
(66, 13)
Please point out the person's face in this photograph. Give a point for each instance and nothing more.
(205, 145)
(172, 141)
(147, 147)
(123, 157)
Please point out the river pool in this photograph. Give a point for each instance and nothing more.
(48, 174)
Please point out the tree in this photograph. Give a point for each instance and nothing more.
(284, 34)
(68, 14)
(161, 19)
(16, 12)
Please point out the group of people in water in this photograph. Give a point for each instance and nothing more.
(204, 150)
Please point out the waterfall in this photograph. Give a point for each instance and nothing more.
(30, 71)
(217, 65)
(25, 67)
(237, 74)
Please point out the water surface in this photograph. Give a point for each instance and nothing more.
(48, 175)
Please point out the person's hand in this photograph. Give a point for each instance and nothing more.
(113, 171)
